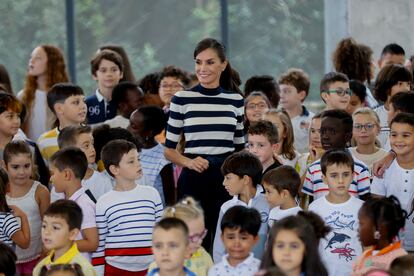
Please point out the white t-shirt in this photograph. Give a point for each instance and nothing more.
(300, 126)
(98, 184)
(248, 267)
(385, 130)
(38, 116)
(398, 182)
(340, 248)
(277, 214)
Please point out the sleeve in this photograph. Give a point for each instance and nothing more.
(159, 209)
(308, 183)
(175, 123)
(378, 186)
(89, 215)
(239, 142)
(363, 181)
(10, 225)
(218, 246)
(98, 257)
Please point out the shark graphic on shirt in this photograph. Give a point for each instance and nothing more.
(336, 224)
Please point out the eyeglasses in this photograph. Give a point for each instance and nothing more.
(253, 106)
(197, 237)
(367, 127)
(340, 91)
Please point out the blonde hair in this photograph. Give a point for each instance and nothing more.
(367, 111)
(288, 149)
(186, 208)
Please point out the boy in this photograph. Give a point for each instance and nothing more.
(239, 227)
(294, 88)
(60, 227)
(263, 142)
(336, 133)
(126, 215)
(359, 94)
(339, 210)
(242, 172)
(398, 178)
(67, 102)
(81, 137)
(171, 247)
(281, 187)
(335, 92)
(107, 69)
(68, 167)
(127, 97)
(392, 54)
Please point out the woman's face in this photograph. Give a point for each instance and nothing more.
(208, 68)
(38, 62)
(255, 108)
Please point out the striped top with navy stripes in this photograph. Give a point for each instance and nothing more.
(8, 226)
(211, 119)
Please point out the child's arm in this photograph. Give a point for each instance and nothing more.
(90, 240)
(22, 236)
(167, 178)
(42, 198)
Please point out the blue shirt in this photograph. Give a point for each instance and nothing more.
(99, 110)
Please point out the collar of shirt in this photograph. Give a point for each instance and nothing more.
(77, 194)
(259, 190)
(65, 258)
(305, 112)
(156, 271)
(247, 262)
(99, 96)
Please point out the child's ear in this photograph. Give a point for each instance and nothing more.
(275, 148)
(73, 234)
(94, 77)
(256, 239)
(3, 164)
(246, 179)
(324, 178)
(113, 169)
(58, 108)
(302, 95)
(68, 173)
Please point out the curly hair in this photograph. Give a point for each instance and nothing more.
(353, 59)
(56, 72)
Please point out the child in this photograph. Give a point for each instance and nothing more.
(335, 91)
(380, 220)
(146, 123)
(191, 213)
(126, 96)
(397, 179)
(265, 84)
(10, 231)
(365, 130)
(402, 266)
(122, 211)
(81, 137)
(263, 142)
(31, 196)
(293, 245)
(59, 269)
(339, 210)
(60, 227)
(255, 106)
(281, 187)
(287, 153)
(172, 80)
(336, 132)
(392, 54)
(170, 246)
(239, 233)
(68, 167)
(67, 102)
(358, 96)
(391, 80)
(107, 69)
(294, 88)
(242, 173)
(7, 260)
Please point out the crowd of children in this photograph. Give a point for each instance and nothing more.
(199, 178)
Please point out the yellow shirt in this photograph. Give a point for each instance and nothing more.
(48, 144)
(72, 256)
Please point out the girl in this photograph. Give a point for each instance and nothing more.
(10, 232)
(365, 130)
(32, 197)
(380, 221)
(293, 245)
(46, 68)
(192, 214)
(62, 270)
(255, 106)
(145, 123)
(391, 79)
(287, 153)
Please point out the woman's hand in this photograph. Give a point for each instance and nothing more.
(197, 164)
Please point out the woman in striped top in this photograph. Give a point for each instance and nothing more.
(210, 115)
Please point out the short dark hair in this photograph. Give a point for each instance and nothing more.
(150, 83)
(14, 148)
(68, 210)
(70, 158)
(283, 178)
(108, 55)
(403, 102)
(243, 163)
(266, 84)
(246, 219)
(393, 49)
(119, 93)
(7, 260)
(403, 118)
(173, 223)
(389, 76)
(335, 156)
(359, 89)
(297, 78)
(342, 115)
(154, 119)
(59, 92)
(10, 102)
(402, 266)
(175, 72)
(68, 135)
(113, 152)
(265, 128)
(330, 78)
